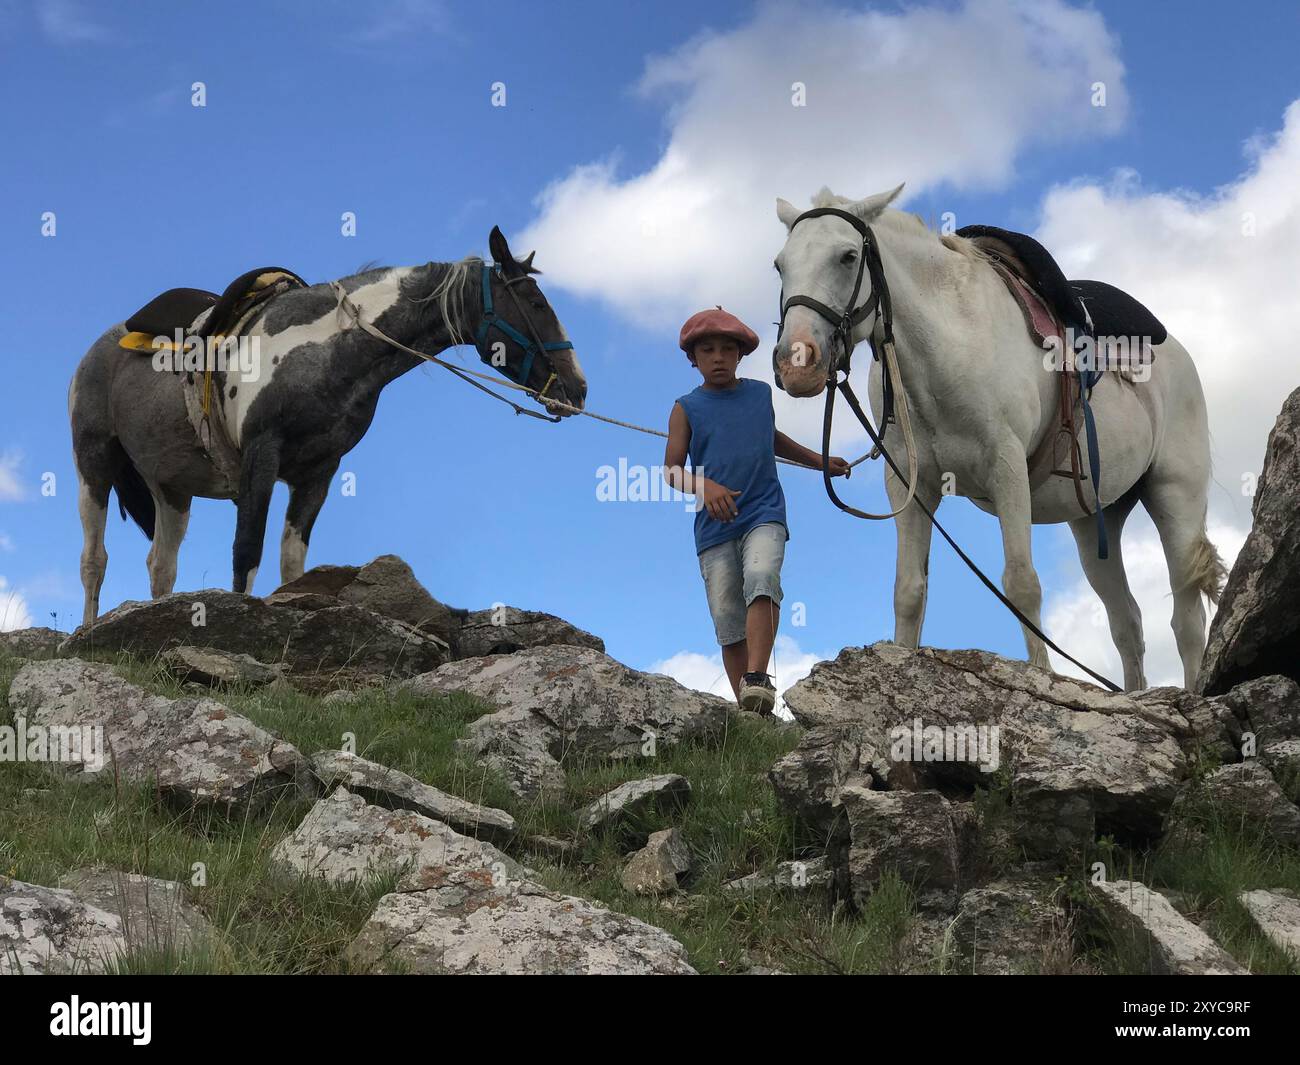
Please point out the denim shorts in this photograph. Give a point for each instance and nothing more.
(739, 571)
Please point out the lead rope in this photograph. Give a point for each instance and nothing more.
(350, 309)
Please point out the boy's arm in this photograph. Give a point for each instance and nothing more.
(717, 500)
(786, 448)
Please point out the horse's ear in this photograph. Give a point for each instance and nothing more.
(869, 209)
(786, 211)
(527, 263)
(499, 248)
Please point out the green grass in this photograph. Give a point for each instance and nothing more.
(733, 825)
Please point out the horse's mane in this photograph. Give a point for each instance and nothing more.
(449, 292)
(906, 219)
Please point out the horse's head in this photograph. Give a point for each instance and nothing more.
(519, 333)
(822, 260)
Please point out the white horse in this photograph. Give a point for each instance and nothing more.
(981, 401)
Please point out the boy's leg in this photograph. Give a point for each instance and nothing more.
(721, 568)
(762, 554)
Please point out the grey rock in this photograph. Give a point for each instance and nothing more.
(396, 790)
(668, 791)
(1256, 630)
(51, 931)
(660, 866)
(911, 833)
(797, 875)
(1246, 794)
(215, 668)
(1277, 913)
(1267, 707)
(324, 648)
(809, 779)
(345, 839)
(154, 914)
(221, 760)
(1007, 928)
(471, 924)
(504, 630)
(1171, 944)
(36, 642)
(555, 701)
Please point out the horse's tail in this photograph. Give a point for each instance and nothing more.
(133, 496)
(1207, 572)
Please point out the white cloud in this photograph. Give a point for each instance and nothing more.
(13, 609)
(1230, 296)
(6, 542)
(705, 673)
(927, 95)
(11, 488)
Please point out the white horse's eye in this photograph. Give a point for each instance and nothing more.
(849, 256)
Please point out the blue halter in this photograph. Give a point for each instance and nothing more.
(492, 321)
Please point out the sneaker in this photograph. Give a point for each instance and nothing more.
(757, 693)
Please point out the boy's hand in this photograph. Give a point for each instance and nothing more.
(838, 467)
(719, 501)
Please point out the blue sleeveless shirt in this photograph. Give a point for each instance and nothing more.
(732, 440)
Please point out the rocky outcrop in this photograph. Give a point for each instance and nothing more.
(345, 839)
(1008, 928)
(197, 751)
(1168, 943)
(155, 914)
(396, 790)
(1256, 631)
(910, 833)
(1244, 794)
(324, 648)
(798, 875)
(471, 923)
(559, 702)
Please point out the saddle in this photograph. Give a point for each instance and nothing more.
(179, 308)
(1050, 303)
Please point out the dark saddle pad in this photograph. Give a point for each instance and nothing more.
(178, 307)
(1113, 311)
(1117, 314)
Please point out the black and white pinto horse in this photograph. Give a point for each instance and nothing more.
(308, 400)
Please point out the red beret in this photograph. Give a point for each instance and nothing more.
(717, 322)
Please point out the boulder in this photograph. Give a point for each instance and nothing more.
(1256, 630)
(198, 751)
(1078, 760)
(555, 702)
(471, 923)
(384, 586)
(214, 668)
(1169, 942)
(661, 866)
(323, 648)
(505, 629)
(154, 914)
(911, 833)
(51, 930)
(797, 875)
(634, 798)
(1277, 913)
(36, 642)
(396, 790)
(1008, 928)
(1244, 794)
(1266, 707)
(345, 839)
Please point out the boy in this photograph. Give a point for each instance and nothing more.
(728, 428)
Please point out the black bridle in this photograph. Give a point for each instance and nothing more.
(844, 323)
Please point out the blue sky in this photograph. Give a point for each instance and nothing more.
(384, 109)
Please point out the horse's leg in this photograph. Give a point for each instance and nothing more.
(1177, 507)
(1110, 582)
(912, 571)
(261, 461)
(92, 505)
(305, 501)
(1009, 493)
(170, 523)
